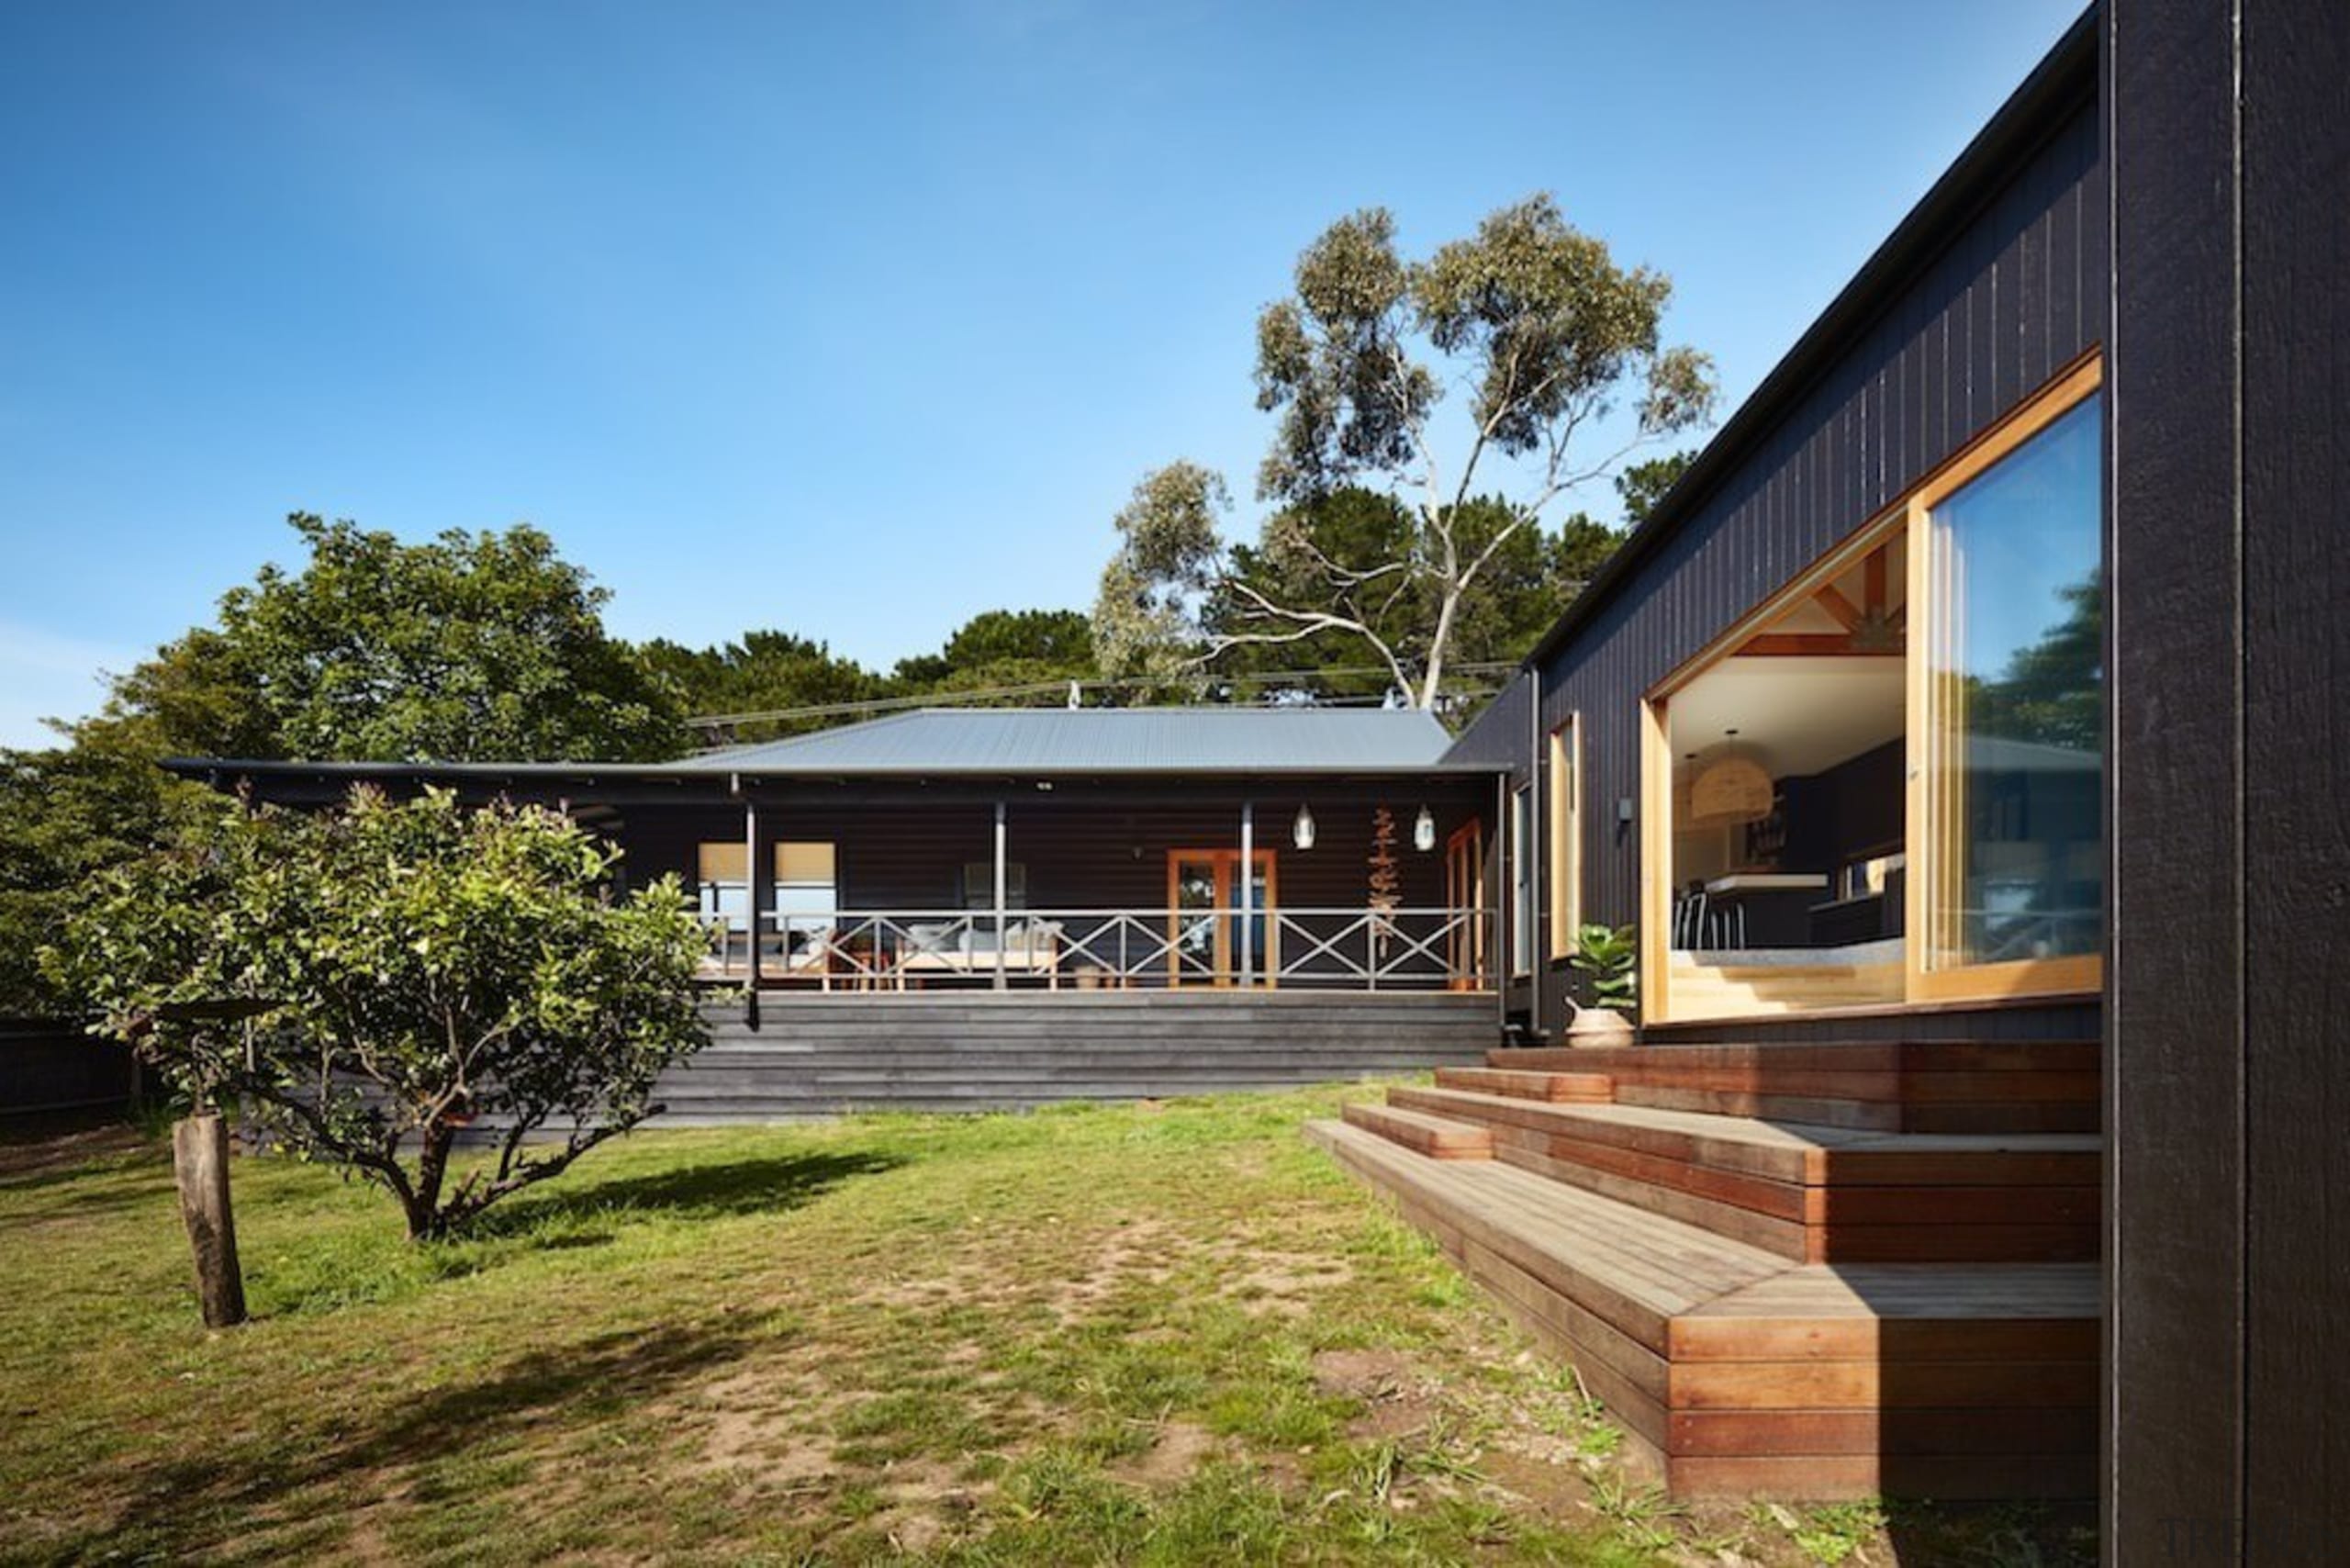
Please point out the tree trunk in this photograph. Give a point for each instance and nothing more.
(432, 1166)
(1434, 682)
(200, 1162)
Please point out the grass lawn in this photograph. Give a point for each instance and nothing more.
(1166, 1333)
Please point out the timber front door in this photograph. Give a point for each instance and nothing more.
(1209, 941)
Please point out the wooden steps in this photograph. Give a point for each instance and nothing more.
(1431, 1135)
(1912, 1086)
(816, 1055)
(1813, 1194)
(1559, 1088)
(1737, 1371)
(1798, 1270)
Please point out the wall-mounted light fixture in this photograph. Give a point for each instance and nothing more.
(1300, 832)
(1623, 808)
(1423, 831)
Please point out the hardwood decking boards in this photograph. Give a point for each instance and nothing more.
(1767, 1306)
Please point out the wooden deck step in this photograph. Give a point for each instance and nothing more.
(1431, 1135)
(1556, 1087)
(1916, 1086)
(1810, 1194)
(1742, 1372)
(1630, 1273)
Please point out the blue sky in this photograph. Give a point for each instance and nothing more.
(850, 320)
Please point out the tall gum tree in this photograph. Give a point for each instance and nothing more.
(1528, 327)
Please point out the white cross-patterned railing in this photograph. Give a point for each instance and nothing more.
(1398, 949)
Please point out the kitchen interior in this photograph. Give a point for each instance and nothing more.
(1789, 814)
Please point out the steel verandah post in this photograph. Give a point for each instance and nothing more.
(1003, 981)
(1248, 889)
(751, 912)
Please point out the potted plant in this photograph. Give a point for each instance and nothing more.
(1610, 954)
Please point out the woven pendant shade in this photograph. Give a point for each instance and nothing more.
(1729, 789)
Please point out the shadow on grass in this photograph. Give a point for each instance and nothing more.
(216, 1493)
(774, 1184)
(85, 1172)
(55, 1146)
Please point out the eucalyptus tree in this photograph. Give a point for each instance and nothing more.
(1529, 328)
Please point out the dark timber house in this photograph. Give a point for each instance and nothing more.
(1964, 736)
(964, 909)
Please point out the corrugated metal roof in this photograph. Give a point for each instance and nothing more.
(1105, 739)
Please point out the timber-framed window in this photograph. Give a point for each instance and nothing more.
(1565, 870)
(1521, 882)
(1885, 784)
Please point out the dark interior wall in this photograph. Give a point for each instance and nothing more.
(2228, 1178)
(1848, 810)
(2015, 297)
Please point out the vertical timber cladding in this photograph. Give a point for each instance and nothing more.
(2016, 293)
(2229, 1265)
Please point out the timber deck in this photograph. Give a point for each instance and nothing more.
(1839, 1308)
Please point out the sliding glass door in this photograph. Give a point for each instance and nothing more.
(2008, 763)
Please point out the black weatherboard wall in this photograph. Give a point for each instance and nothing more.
(1994, 286)
(2228, 1352)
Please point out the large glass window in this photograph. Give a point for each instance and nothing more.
(2015, 684)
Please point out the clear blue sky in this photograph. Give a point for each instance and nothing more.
(851, 321)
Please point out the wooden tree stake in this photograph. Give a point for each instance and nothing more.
(200, 1162)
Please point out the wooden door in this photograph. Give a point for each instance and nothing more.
(1207, 940)
(1465, 889)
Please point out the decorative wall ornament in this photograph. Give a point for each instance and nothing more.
(1386, 879)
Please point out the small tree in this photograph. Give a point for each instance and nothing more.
(1529, 318)
(361, 985)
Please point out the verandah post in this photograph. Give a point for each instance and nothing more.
(756, 891)
(1002, 983)
(1248, 891)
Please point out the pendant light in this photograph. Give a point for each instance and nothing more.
(1731, 787)
(1423, 831)
(1300, 832)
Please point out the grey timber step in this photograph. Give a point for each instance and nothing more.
(818, 1055)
